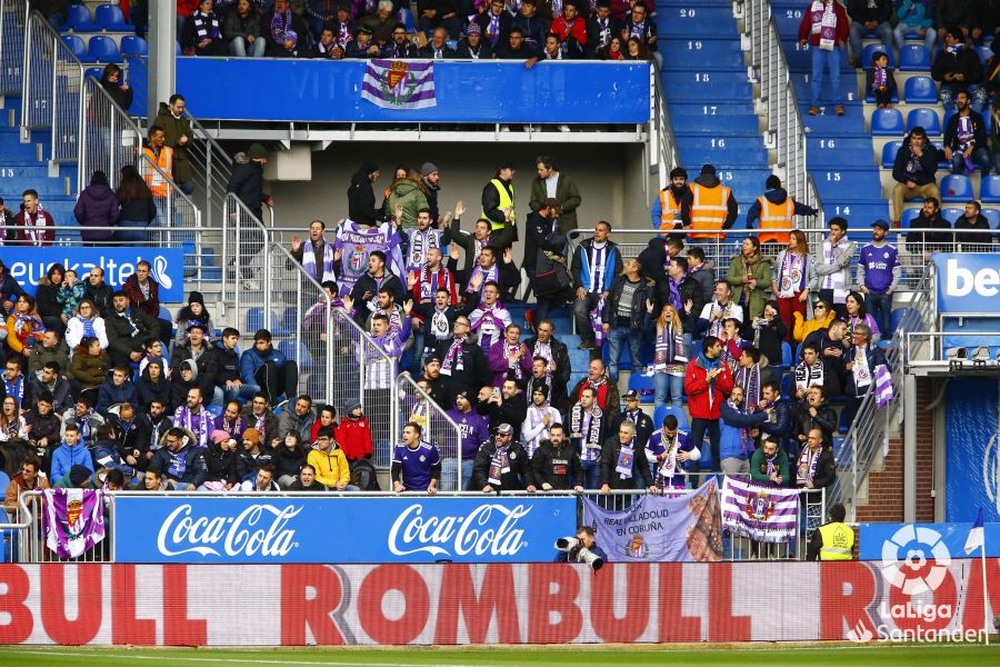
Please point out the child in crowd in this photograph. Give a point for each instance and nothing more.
(70, 295)
(881, 82)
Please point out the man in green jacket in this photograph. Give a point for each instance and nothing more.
(553, 184)
(178, 137)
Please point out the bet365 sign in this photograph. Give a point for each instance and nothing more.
(968, 284)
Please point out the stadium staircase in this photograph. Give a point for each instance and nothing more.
(709, 95)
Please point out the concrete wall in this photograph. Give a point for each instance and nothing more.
(609, 178)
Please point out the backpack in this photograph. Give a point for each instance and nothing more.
(364, 476)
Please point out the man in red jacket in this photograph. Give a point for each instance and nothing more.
(707, 382)
(825, 27)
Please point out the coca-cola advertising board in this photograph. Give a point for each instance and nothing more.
(407, 529)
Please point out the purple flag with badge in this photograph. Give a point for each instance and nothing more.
(762, 513)
(685, 526)
(399, 84)
(73, 520)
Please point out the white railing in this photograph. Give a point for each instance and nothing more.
(246, 271)
(53, 81)
(13, 19)
(662, 146)
(785, 128)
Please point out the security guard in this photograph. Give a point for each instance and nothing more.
(833, 540)
(713, 206)
(672, 207)
(498, 197)
(776, 209)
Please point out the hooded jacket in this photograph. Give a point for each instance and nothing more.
(411, 196)
(220, 466)
(97, 207)
(361, 199)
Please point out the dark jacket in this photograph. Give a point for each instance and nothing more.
(966, 62)
(366, 284)
(802, 422)
(206, 366)
(610, 451)
(567, 194)
(580, 268)
(826, 468)
(539, 236)
(980, 223)
(978, 131)
(561, 355)
(475, 369)
(609, 314)
(109, 395)
(516, 479)
(146, 390)
(484, 52)
(137, 210)
(193, 460)
(227, 364)
(234, 25)
(546, 460)
(101, 295)
(97, 207)
(121, 342)
(175, 128)
(499, 239)
(940, 241)
(247, 183)
(220, 466)
(511, 411)
(861, 12)
(776, 196)
(928, 162)
(361, 200)
(643, 426)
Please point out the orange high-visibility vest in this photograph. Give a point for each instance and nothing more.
(708, 210)
(670, 210)
(775, 216)
(165, 161)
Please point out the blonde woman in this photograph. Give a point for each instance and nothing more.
(669, 355)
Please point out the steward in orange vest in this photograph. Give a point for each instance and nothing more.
(713, 206)
(776, 210)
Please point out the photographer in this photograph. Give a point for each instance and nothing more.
(585, 540)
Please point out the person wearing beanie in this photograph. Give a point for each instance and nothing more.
(539, 419)
(252, 454)
(553, 184)
(713, 206)
(431, 176)
(473, 47)
(277, 23)
(361, 195)
(672, 207)
(193, 312)
(247, 183)
(776, 210)
(354, 433)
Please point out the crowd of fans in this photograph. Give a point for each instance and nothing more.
(188, 410)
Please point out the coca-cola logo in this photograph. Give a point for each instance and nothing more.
(490, 529)
(259, 529)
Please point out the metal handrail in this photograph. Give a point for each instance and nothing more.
(215, 166)
(235, 212)
(662, 137)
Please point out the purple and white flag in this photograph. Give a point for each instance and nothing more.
(883, 386)
(73, 520)
(399, 84)
(762, 513)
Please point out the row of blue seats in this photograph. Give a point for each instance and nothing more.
(107, 17)
(916, 90)
(913, 57)
(952, 214)
(103, 49)
(889, 122)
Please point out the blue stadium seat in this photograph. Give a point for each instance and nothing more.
(920, 90)
(110, 18)
(889, 153)
(786, 354)
(788, 386)
(78, 47)
(298, 353)
(887, 123)
(925, 118)
(993, 215)
(78, 19)
(843, 423)
(866, 54)
(405, 17)
(255, 319)
(661, 412)
(133, 45)
(909, 215)
(897, 315)
(644, 385)
(985, 53)
(989, 189)
(103, 49)
(96, 72)
(956, 188)
(914, 58)
(952, 214)
(287, 324)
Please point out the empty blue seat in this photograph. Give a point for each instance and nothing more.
(989, 189)
(914, 58)
(786, 354)
(909, 215)
(110, 18)
(889, 153)
(642, 384)
(255, 318)
(661, 412)
(298, 353)
(78, 47)
(133, 45)
(920, 90)
(951, 214)
(868, 51)
(103, 49)
(405, 17)
(96, 72)
(984, 54)
(887, 123)
(956, 188)
(78, 19)
(788, 386)
(897, 315)
(925, 118)
(993, 215)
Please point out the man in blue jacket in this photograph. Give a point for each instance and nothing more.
(182, 463)
(736, 442)
(267, 370)
(595, 264)
(70, 454)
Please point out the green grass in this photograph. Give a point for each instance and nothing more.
(835, 655)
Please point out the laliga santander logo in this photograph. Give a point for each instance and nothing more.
(905, 558)
(860, 634)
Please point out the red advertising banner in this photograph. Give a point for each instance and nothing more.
(293, 605)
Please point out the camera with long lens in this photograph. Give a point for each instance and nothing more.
(577, 553)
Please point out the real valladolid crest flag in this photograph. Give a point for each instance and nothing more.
(399, 84)
(762, 513)
(74, 520)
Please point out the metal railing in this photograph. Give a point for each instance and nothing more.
(415, 405)
(867, 440)
(663, 153)
(109, 137)
(786, 132)
(246, 270)
(212, 167)
(13, 19)
(929, 350)
(53, 81)
(304, 302)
